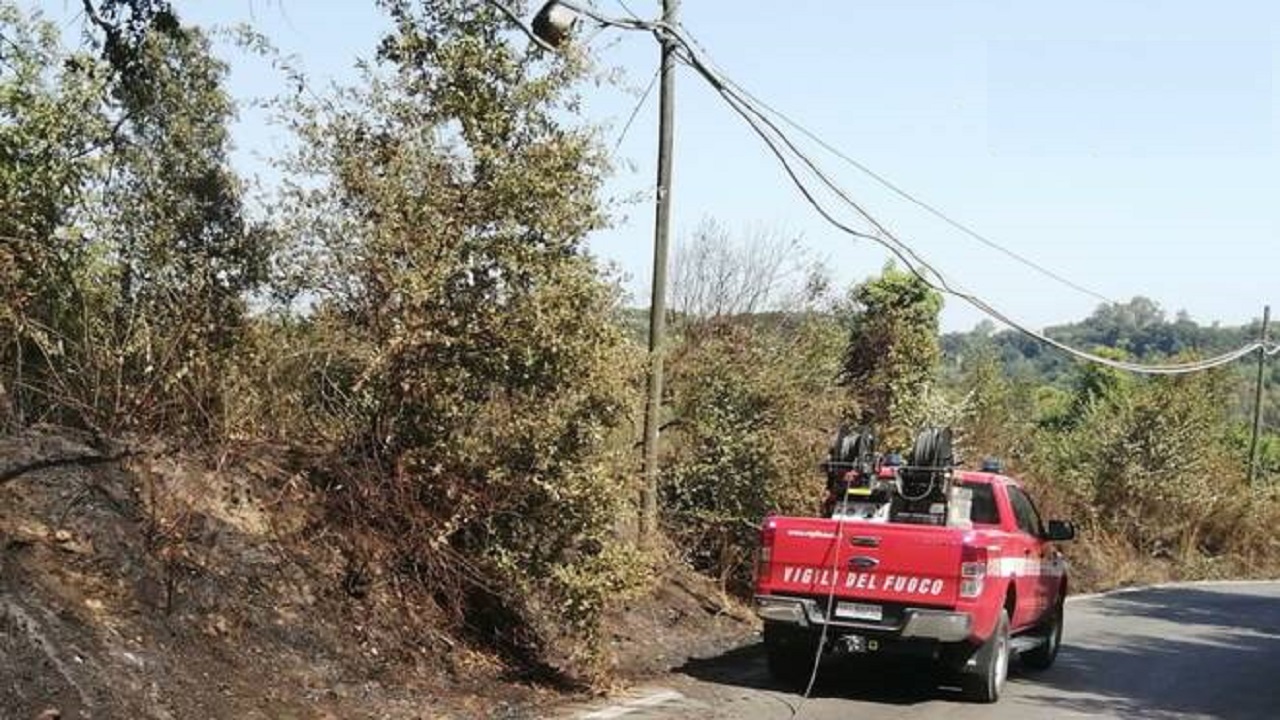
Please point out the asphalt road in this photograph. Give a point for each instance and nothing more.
(1202, 651)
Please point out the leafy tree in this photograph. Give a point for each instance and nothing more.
(892, 357)
(121, 30)
(990, 425)
(51, 127)
(126, 252)
(185, 257)
(441, 209)
(1168, 469)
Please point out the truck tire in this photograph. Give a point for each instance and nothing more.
(984, 682)
(1051, 630)
(789, 652)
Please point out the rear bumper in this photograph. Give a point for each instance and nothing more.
(938, 625)
(921, 623)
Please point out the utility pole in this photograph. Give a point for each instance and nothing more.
(1257, 397)
(658, 297)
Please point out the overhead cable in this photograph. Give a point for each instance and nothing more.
(769, 132)
(889, 184)
(892, 186)
(627, 8)
(931, 209)
(636, 110)
(907, 257)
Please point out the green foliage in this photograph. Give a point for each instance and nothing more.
(441, 209)
(51, 125)
(754, 409)
(995, 415)
(185, 258)
(124, 29)
(1151, 467)
(125, 254)
(891, 360)
(1139, 330)
(1150, 461)
(1093, 388)
(1240, 437)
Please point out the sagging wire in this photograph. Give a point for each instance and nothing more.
(877, 177)
(927, 207)
(627, 9)
(766, 130)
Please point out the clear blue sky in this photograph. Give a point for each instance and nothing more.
(1127, 144)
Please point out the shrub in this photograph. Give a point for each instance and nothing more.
(754, 409)
(441, 208)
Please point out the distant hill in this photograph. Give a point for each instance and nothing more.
(1138, 328)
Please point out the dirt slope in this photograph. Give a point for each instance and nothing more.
(168, 585)
(161, 586)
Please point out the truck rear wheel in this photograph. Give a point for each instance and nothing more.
(984, 682)
(1043, 656)
(789, 652)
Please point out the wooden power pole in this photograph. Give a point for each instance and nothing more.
(658, 299)
(1257, 397)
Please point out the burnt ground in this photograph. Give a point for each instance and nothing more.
(166, 584)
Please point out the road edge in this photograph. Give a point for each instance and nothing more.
(1170, 584)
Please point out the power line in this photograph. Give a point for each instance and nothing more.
(767, 130)
(932, 210)
(759, 122)
(899, 191)
(626, 8)
(636, 110)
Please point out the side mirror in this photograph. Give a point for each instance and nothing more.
(1060, 531)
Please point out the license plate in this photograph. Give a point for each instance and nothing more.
(859, 611)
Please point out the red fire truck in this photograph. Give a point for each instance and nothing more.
(918, 557)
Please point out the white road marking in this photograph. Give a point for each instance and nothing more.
(660, 697)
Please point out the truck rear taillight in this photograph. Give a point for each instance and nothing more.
(765, 556)
(973, 571)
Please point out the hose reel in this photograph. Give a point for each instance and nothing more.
(924, 483)
(853, 451)
(863, 485)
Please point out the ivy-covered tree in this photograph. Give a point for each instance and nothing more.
(892, 357)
